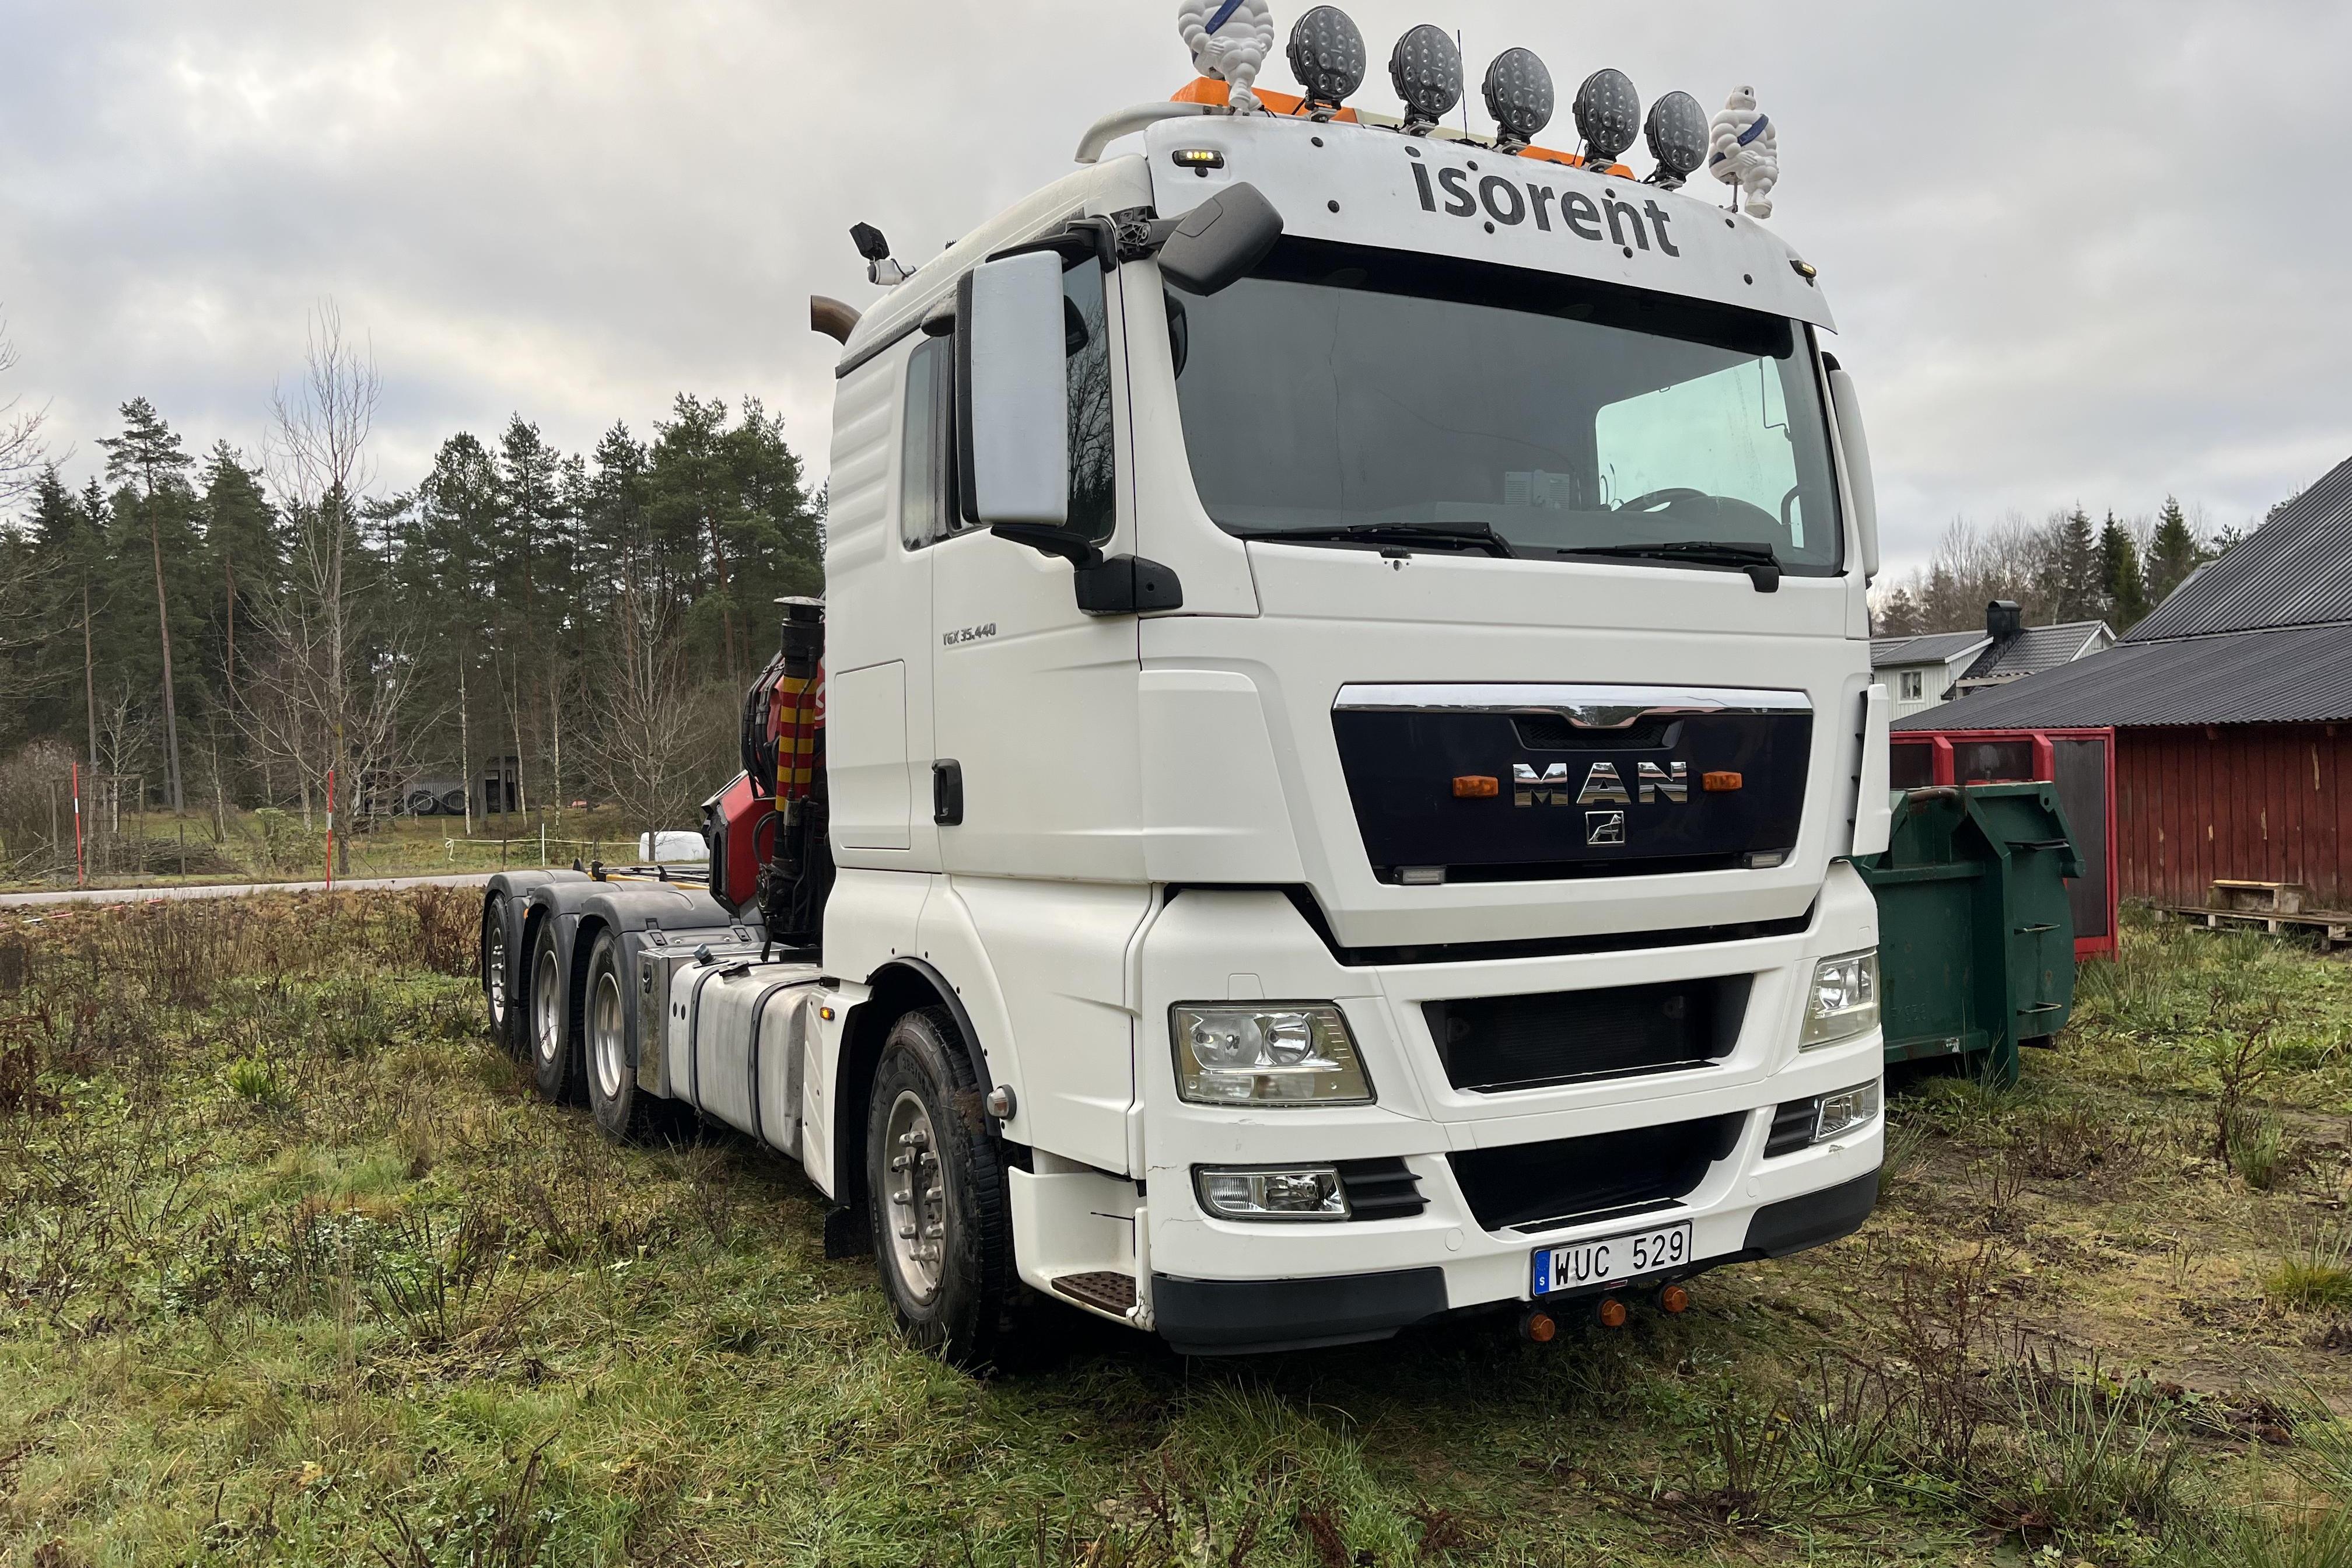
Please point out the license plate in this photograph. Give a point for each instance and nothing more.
(1613, 1258)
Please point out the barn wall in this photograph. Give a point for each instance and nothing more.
(2262, 803)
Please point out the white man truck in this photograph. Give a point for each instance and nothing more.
(1318, 795)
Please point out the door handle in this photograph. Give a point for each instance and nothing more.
(947, 793)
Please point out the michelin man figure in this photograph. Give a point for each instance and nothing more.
(1745, 151)
(1229, 40)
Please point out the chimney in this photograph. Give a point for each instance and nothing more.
(2003, 620)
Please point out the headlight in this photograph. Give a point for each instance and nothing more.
(1267, 1055)
(1844, 1001)
(1846, 1109)
(1288, 1192)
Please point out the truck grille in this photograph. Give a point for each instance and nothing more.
(1560, 782)
(1492, 1044)
(1535, 1187)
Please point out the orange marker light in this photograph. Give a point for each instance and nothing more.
(1721, 783)
(1612, 1312)
(1537, 1325)
(1476, 787)
(1673, 1298)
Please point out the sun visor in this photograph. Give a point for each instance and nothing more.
(1360, 185)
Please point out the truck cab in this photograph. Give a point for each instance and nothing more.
(1343, 739)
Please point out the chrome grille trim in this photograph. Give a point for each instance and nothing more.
(1585, 707)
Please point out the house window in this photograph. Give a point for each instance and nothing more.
(1913, 685)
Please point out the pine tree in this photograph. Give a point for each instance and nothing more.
(2119, 576)
(1899, 616)
(2077, 563)
(148, 451)
(248, 560)
(2172, 552)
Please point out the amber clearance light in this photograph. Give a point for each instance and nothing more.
(1476, 787)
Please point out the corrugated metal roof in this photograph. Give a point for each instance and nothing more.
(2034, 649)
(1933, 648)
(2294, 571)
(2300, 675)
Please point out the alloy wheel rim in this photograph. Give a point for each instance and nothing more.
(544, 1002)
(605, 1028)
(918, 1208)
(494, 972)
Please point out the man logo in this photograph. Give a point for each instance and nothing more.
(1531, 788)
(1603, 785)
(1605, 827)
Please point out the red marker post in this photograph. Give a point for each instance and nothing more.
(331, 830)
(81, 875)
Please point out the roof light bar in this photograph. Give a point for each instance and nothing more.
(1327, 54)
(1678, 135)
(1426, 71)
(1608, 115)
(1518, 95)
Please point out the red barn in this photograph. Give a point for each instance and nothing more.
(2231, 706)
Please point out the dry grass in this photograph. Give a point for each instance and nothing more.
(293, 1270)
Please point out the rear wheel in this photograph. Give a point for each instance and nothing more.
(935, 1186)
(624, 1111)
(556, 1062)
(498, 977)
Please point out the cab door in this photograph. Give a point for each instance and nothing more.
(1036, 784)
(1034, 700)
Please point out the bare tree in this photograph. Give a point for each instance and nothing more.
(639, 742)
(21, 454)
(337, 671)
(21, 446)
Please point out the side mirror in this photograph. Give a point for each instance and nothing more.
(1013, 400)
(1217, 243)
(1856, 444)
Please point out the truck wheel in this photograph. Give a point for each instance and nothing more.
(934, 1187)
(624, 1111)
(555, 1056)
(498, 977)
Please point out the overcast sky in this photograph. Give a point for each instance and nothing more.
(2078, 250)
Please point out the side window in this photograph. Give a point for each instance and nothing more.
(923, 512)
(1093, 510)
(1913, 685)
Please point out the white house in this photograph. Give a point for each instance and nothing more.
(1921, 671)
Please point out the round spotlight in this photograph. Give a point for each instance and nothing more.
(1678, 135)
(1518, 95)
(1608, 115)
(1426, 71)
(1327, 55)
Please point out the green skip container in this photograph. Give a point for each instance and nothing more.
(1976, 944)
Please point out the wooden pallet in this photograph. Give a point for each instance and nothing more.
(2333, 927)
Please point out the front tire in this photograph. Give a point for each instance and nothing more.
(936, 1190)
(556, 1062)
(624, 1111)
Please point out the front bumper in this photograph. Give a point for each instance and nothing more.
(1223, 1286)
(1233, 1317)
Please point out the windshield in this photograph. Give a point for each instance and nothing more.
(1343, 389)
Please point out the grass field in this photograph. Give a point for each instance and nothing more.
(292, 1269)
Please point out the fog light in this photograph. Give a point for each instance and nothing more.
(1282, 1192)
(1846, 1109)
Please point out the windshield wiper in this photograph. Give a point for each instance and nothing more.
(1438, 535)
(1763, 567)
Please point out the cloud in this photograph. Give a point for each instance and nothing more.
(2075, 250)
